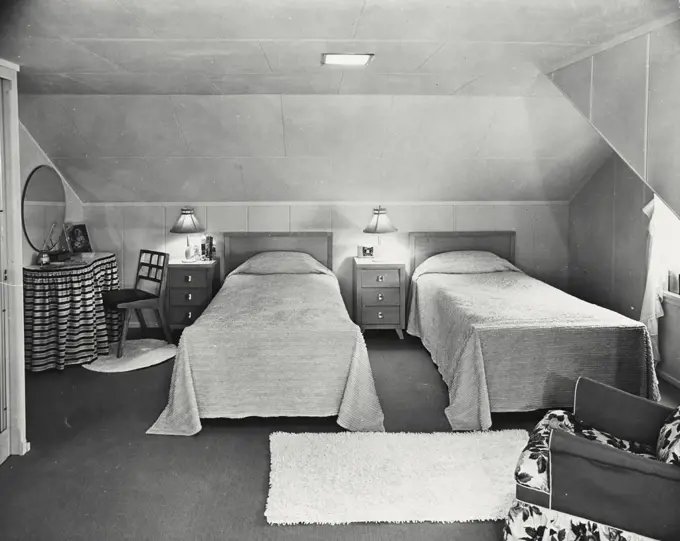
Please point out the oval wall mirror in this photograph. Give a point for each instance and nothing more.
(43, 209)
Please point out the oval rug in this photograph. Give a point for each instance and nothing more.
(138, 354)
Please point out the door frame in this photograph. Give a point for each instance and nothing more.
(11, 263)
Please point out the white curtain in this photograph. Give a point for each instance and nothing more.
(663, 256)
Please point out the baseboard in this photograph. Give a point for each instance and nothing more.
(18, 446)
(668, 378)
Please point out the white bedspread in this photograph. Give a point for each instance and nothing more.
(272, 345)
(504, 341)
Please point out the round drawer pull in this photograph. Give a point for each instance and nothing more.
(380, 297)
(380, 315)
(188, 296)
(188, 278)
(381, 278)
(188, 315)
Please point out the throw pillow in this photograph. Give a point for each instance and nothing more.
(668, 444)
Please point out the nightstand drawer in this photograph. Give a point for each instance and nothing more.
(375, 315)
(189, 296)
(188, 278)
(380, 296)
(183, 315)
(380, 278)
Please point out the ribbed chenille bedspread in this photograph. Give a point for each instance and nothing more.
(272, 345)
(504, 341)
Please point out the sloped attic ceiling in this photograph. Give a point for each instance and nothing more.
(191, 101)
(315, 148)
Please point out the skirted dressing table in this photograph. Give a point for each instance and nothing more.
(65, 321)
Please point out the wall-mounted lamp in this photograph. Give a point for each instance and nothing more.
(380, 224)
(188, 224)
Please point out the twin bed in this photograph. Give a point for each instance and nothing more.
(277, 339)
(504, 341)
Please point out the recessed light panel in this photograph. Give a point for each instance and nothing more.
(337, 59)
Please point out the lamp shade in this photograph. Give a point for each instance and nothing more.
(187, 223)
(380, 222)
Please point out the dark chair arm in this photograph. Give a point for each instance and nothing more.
(614, 487)
(620, 413)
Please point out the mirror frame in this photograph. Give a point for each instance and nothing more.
(55, 249)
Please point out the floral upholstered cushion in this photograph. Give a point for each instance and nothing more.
(534, 462)
(668, 444)
(526, 522)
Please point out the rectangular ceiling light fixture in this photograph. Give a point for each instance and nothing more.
(351, 59)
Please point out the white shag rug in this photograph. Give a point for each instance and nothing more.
(399, 477)
(137, 354)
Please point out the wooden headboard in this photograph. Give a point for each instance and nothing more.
(240, 246)
(427, 244)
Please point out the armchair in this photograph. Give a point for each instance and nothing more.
(595, 474)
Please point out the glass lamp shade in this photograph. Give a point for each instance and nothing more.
(380, 222)
(187, 223)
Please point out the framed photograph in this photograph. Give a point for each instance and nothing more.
(77, 238)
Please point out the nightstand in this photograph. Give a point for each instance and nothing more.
(380, 294)
(191, 287)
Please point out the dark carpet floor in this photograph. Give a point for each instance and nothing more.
(93, 474)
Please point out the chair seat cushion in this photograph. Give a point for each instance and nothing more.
(120, 296)
(533, 464)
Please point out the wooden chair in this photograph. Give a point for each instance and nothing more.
(152, 272)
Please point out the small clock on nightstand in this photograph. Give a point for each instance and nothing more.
(380, 294)
(365, 251)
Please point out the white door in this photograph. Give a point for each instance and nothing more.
(4, 357)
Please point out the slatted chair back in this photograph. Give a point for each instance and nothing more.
(152, 272)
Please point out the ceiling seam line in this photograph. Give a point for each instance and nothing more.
(328, 40)
(429, 57)
(266, 58)
(212, 84)
(283, 128)
(136, 17)
(243, 183)
(355, 27)
(648, 76)
(179, 127)
(88, 51)
(461, 87)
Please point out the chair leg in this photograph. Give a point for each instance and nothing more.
(126, 325)
(160, 314)
(142, 321)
